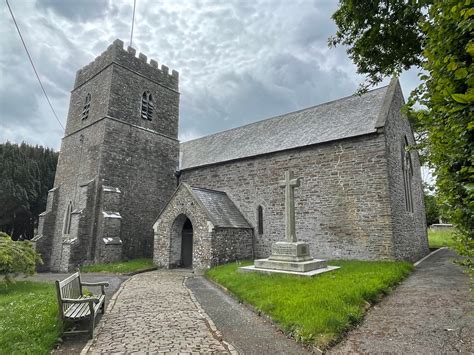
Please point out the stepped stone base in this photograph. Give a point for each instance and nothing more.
(272, 271)
(298, 266)
(290, 258)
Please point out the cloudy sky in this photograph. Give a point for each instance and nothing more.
(239, 60)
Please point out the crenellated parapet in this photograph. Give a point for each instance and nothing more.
(116, 54)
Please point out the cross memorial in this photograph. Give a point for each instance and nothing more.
(289, 184)
(290, 256)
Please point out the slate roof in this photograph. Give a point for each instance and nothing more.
(347, 117)
(220, 208)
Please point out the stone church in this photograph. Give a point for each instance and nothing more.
(125, 187)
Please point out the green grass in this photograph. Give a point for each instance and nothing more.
(120, 267)
(28, 318)
(441, 238)
(316, 309)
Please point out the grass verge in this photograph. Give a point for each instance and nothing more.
(28, 318)
(441, 238)
(318, 309)
(133, 265)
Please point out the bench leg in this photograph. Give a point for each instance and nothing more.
(91, 327)
(103, 308)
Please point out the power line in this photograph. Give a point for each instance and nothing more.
(33, 65)
(133, 21)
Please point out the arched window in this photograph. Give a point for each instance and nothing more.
(67, 219)
(147, 106)
(87, 105)
(260, 220)
(407, 170)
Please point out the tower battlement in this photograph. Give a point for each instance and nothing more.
(116, 54)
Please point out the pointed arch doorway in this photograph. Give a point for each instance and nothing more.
(187, 244)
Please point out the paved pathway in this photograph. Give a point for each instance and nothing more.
(154, 313)
(429, 313)
(248, 333)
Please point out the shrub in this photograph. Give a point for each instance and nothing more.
(16, 257)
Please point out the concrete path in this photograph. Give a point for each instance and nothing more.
(429, 313)
(153, 313)
(248, 333)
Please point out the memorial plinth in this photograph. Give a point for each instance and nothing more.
(290, 256)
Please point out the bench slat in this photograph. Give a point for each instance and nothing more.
(82, 310)
(68, 279)
(75, 310)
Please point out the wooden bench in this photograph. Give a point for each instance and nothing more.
(74, 306)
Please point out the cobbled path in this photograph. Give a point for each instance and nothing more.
(154, 313)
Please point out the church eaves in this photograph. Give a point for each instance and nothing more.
(344, 118)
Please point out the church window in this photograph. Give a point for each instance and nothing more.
(67, 219)
(147, 106)
(87, 105)
(407, 170)
(260, 219)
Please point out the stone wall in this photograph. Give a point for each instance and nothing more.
(142, 165)
(79, 162)
(231, 244)
(409, 228)
(342, 205)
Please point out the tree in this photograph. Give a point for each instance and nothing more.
(26, 175)
(432, 209)
(16, 257)
(386, 37)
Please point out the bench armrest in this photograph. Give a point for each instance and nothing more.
(106, 284)
(82, 300)
(101, 284)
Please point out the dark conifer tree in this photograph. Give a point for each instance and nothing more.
(26, 174)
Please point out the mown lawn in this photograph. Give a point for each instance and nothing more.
(441, 238)
(120, 267)
(28, 318)
(317, 309)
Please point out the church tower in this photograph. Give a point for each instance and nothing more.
(117, 162)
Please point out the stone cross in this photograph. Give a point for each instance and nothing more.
(289, 184)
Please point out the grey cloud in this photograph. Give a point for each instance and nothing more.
(82, 11)
(239, 61)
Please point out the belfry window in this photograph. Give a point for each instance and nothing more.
(147, 106)
(407, 170)
(260, 219)
(87, 105)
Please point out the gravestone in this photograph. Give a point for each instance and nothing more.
(290, 256)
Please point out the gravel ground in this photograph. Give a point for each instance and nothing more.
(431, 312)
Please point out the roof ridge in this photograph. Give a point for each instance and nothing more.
(284, 114)
(204, 189)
